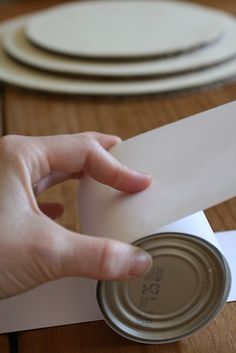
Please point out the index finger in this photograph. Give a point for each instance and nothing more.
(86, 152)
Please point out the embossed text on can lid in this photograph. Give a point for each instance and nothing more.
(185, 289)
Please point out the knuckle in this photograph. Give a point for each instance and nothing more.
(106, 266)
(115, 174)
(43, 250)
(88, 141)
(87, 133)
(14, 150)
(87, 136)
(40, 247)
(90, 147)
(8, 144)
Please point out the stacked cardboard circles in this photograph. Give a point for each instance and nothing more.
(119, 48)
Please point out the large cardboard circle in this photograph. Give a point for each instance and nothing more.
(124, 28)
(17, 45)
(12, 72)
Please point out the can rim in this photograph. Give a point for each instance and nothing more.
(209, 318)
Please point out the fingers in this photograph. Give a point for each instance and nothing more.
(74, 254)
(44, 161)
(103, 259)
(107, 141)
(106, 169)
(87, 153)
(51, 180)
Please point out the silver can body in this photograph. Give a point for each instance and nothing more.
(185, 289)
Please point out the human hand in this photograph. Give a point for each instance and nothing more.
(33, 248)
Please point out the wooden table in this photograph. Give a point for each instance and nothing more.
(28, 113)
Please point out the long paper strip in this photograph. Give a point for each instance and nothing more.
(73, 300)
(65, 301)
(193, 164)
(227, 242)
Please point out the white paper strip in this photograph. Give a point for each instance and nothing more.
(193, 164)
(227, 241)
(73, 300)
(65, 301)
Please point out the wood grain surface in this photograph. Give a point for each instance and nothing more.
(1, 113)
(31, 113)
(12, 9)
(4, 344)
(219, 337)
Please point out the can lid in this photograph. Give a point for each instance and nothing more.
(186, 287)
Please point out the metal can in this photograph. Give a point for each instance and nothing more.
(185, 289)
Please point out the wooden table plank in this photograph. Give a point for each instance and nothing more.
(23, 7)
(42, 114)
(98, 338)
(226, 5)
(1, 114)
(4, 344)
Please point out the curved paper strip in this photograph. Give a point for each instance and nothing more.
(193, 164)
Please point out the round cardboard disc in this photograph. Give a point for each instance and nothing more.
(12, 72)
(16, 44)
(124, 28)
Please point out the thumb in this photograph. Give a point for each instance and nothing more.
(98, 258)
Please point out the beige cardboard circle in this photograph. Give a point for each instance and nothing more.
(17, 45)
(17, 74)
(124, 28)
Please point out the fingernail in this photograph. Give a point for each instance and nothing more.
(142, 262)
(148, 176)
(119, 140)
(142, 173)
